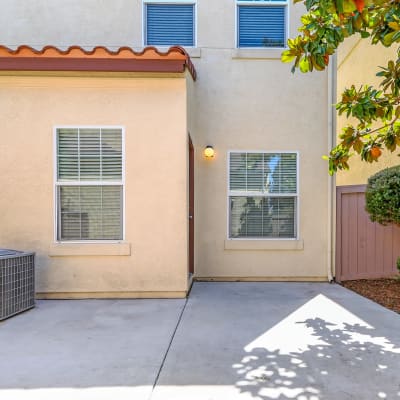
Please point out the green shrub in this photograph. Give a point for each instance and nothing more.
(398, 264)
(383, 196)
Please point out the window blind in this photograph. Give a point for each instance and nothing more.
(170, 24)
(89, 154)
(262, 217)
(261, 25)
(90, 212)
(262, 195)
(89, 184)
(263, 172)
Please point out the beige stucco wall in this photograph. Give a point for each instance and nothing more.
(358, 63)
(261, 107)
(248, 100)
(153, 113)
(62, 23)
(242, 100)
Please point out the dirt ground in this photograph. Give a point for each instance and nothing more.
(383, 291)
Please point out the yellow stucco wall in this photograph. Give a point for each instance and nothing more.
(153, 256)
(358, 63)
(250, 104)
(247, 100)
(253, 113)
(244, 99)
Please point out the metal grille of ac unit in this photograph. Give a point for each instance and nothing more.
(17, 282)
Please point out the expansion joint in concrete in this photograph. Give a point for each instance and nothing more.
(169, 346)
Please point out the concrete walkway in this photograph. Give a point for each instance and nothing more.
(305, 341)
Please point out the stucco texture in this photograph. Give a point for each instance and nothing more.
(258, 105)
(243, 99)
(247, 100)
(153, 113)
(358, 63)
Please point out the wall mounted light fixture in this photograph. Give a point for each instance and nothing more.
(209, 152)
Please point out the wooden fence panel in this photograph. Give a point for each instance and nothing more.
(364, 250)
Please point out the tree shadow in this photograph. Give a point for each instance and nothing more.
(344, 362)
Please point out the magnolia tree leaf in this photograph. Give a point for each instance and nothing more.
(376, 111)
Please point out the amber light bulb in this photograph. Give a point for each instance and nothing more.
(209, 152)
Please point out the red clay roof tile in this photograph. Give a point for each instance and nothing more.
(99, 59)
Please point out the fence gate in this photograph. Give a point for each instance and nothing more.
(363, 249)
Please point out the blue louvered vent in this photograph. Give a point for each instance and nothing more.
(261, 26)
(170, 24)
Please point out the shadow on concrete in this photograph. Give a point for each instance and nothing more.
(247, 341)
(282, 341)
(346, 362)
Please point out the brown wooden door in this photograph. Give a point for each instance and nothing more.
(191, 207)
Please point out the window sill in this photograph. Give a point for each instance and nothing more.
(244, 244)
(260, 54)
(89, 249)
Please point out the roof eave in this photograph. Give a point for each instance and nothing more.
(100, 59)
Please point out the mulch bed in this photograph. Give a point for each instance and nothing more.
(383, 291)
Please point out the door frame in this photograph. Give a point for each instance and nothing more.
(191, 206)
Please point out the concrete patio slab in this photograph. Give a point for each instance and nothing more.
(86, 349)
(305, 341)
(234, 341)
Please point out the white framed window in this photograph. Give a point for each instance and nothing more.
(89, 183)
(169, 23)
(261, 23)
(263, 195)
